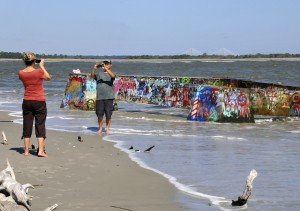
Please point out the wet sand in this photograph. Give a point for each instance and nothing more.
(88, 175)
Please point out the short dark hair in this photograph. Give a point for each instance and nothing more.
(107, 61)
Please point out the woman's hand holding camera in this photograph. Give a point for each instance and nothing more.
(42, 63)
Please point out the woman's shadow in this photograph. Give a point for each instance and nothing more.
(20, 150)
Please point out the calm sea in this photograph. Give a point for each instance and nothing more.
(208, 162)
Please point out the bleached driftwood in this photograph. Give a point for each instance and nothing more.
(15, 191)
(11, 206)
(4, 139)
(7, 172)
(13, 195)
(53, 207)
(247, 192)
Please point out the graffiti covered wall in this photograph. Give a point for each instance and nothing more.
(80, 93)
(213, 99)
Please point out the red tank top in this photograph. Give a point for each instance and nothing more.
(33, 84)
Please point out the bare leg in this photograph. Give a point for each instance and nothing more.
(100, 122)
(41, 152)
(108, 121)
(26, 144)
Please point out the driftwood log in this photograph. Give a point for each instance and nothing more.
(13, 195)
(242, 200)
(14, 191)
(4, 139)
(53, 207)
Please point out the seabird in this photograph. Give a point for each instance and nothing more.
(130, 148)
(148, 150)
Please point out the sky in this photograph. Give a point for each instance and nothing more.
(149, 27)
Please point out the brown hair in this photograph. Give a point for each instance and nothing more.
(29, 58)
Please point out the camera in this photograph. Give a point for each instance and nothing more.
(99, 65)
(38, 61)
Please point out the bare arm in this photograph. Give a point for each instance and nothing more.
(46, 75)
(94, 70)
(110, 73)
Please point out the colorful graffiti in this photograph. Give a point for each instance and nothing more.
(160, 91)
(214, 99)
(295, 104)
(80, 93)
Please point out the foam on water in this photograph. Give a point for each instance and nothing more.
(187, 189)
(294, 131)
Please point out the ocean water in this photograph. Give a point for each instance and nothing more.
(208, 162)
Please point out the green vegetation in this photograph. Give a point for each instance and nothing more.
(18, 55)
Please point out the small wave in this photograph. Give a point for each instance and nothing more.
(155, 120)
(130, 131)
(217, 136)
(60, 117)
(5, 102)
(146, 119)
(236, 138)
(9, 106)
(67, 129)
(66, 118)
(294, 131)
(8, 91)
(18, 121)
(188, 190)
(16, 114)
(230, 138)
(183, 135)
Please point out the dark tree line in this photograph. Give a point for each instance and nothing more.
(18, 55)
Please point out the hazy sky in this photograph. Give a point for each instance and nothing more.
(155, 27)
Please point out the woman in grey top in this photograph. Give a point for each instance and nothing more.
(105, 93)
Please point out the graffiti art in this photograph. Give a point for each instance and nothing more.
(209, 99)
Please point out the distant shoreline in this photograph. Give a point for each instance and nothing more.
(166, 59)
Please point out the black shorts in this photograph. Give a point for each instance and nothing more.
(104, 107)
(34, 111)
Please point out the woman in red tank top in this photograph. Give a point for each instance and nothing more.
(34, 102)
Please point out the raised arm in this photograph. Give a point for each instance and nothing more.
(107, 68)
(46, 76)
(94, 70)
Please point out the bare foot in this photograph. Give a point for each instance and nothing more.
(99, 132)
(26, 152)
(44, 155)
(107, 131)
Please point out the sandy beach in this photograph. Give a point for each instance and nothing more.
(88, 175)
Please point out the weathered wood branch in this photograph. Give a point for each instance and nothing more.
(4, 139)
(14, 189)
(247, 192)
(13, 195)
(53, 207)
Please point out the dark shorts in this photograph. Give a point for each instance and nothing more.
(104, 107)
(37, 111)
